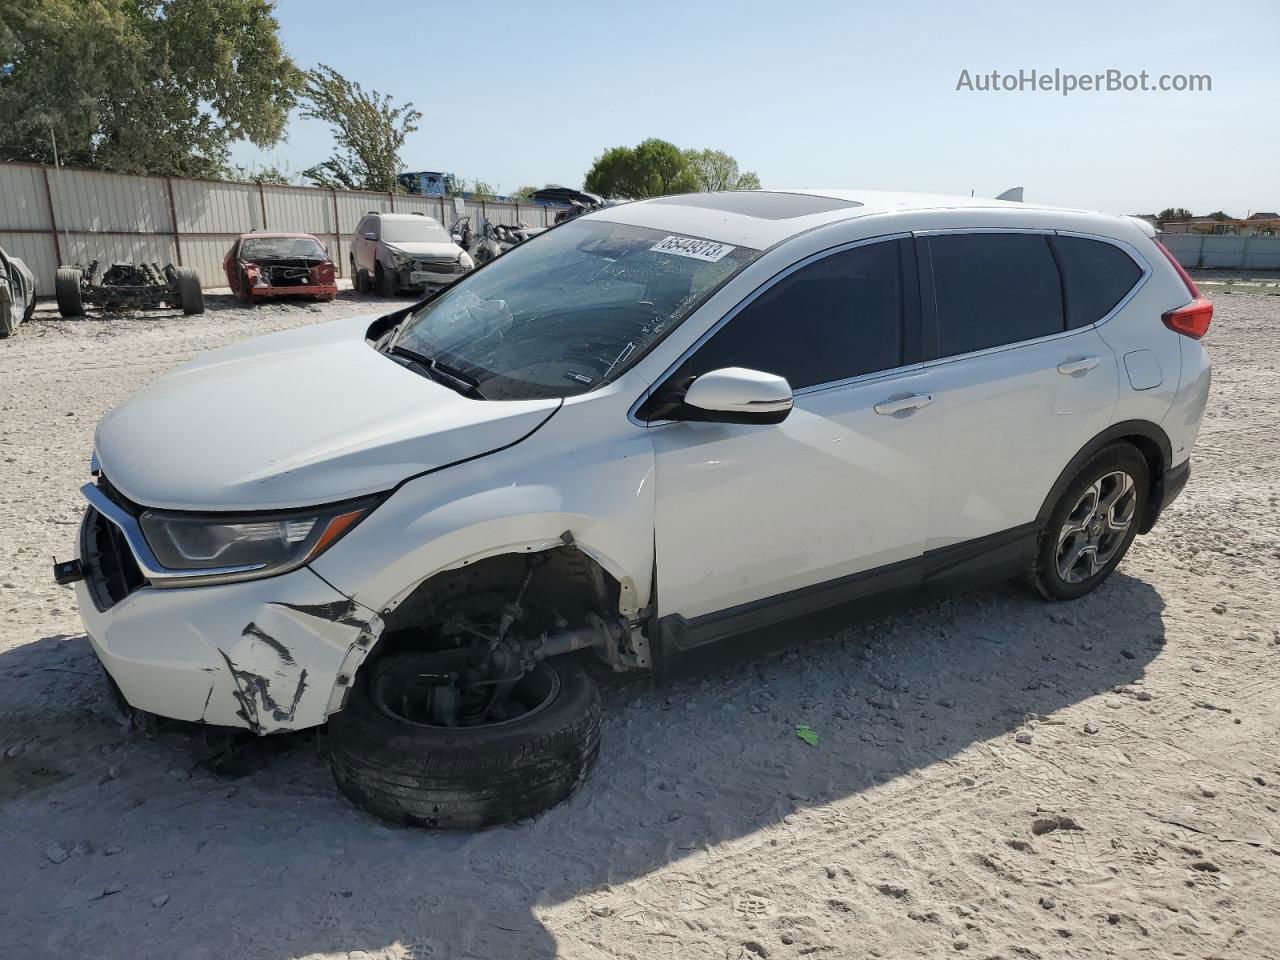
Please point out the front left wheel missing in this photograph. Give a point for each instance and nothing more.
(406, 749)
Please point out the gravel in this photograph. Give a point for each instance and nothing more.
(921, 791)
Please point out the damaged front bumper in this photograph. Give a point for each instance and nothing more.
(265, 655)
(325, 291)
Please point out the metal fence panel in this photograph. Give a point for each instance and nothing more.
(50, 217)
(24, 204)
(299, 208)
(1263, 253)
(89, 201)
(37, 251)
(109, 248)
(223, 208)
(1210, 251)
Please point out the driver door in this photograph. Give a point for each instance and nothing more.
(756, 523)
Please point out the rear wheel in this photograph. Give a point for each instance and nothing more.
(413, 747)
(1092, 525)
(190, 295)
(66, 289)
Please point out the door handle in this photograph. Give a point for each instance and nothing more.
(902, 404)
(1082, 365)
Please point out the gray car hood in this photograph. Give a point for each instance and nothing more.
(298, 418)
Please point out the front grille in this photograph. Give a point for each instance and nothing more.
(438, 266)
(110, 570)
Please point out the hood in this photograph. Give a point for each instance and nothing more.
(426, 248)
(298, 418)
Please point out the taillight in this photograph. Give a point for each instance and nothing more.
(1192, 320)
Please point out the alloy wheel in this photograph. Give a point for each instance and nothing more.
(1096, 527)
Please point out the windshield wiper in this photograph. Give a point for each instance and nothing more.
(441, 372)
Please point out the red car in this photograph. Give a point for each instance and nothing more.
(261, 265)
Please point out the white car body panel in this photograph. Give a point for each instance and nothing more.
(745, 512)
(1027, 419)
(263, 654)
(352, 422)
(720, 514)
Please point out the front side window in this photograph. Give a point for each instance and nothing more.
(836, 318)
(993, 289)
(1095, 277)
(570, 309)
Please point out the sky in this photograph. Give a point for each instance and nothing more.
(821, 94)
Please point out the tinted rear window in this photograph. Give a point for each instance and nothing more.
(1095, 277)
(760, 203)
(993, 289)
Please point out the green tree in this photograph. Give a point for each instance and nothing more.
(1174, 213)
(653, 168)
(482, 191)
(716, 170)
(142, 86)
(267, 174)
(368, 130)
(1220, 215)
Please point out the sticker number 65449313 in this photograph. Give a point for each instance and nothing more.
(707, 250)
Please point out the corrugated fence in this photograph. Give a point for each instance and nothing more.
(50, 217)
(1210, 251)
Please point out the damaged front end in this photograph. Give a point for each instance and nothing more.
(266, 654)
(267, 277)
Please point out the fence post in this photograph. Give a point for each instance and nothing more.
(53, 217)
(337, 233)
(173, 217)
(262, 202)
(391, 199)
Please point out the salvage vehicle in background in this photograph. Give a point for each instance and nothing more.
(493, 239)
(263, 265)
(394, 252)
(127, 286)
(664, 430)
(17, 294)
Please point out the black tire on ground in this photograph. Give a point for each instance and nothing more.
(388, 282)
(7, 324)
(1045, 577)
(66, 289)
(464, 778)
(189, 293)
(31, 310)
(358, 282)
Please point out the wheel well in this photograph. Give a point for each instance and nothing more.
(564, 581)
(1148, 439)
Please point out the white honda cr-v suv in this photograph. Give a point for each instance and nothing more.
(661, 430)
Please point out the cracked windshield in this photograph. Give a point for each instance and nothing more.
(569, 310)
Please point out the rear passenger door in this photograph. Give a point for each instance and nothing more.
(1020, 391)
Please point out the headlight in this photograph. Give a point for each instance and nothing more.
(244, 548)
(400, 260)
(466, 262)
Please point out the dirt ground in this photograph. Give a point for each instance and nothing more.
(994, 776)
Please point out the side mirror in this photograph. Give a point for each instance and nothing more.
(371, 236)
(738, 395)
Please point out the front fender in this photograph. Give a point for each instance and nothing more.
(523, 498)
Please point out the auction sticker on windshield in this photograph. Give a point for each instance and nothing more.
(707, 250)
